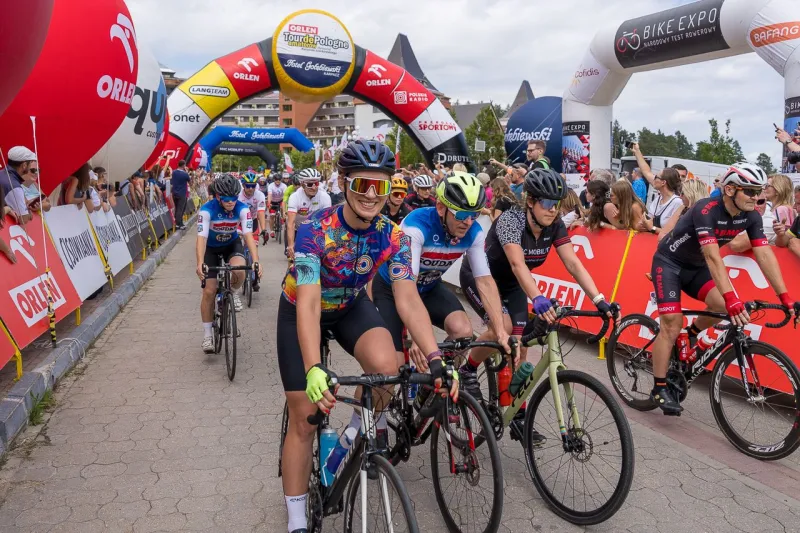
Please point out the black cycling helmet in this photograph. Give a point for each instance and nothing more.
(227, 185)
(546, 184)
(366, 155)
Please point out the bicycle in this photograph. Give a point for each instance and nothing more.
(250, 279)
(224, 324)
(563, 457)
(733, 348)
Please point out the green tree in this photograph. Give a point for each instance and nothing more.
(300, 160)
(719, 148)
(765, 162)
(486, 128)
(409, 152)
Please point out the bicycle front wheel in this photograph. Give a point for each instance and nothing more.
(762, 421)
(248, 288)
(629, 360)
(229, 334)
(284, 429)
(584, 473)
(388, 508)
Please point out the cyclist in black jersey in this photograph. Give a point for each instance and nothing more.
(688, 260)
(422, 195)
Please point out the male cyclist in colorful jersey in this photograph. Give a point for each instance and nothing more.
(275, 192)
(439, 237)
(218, 224)
(338, 251)
(396, 209)
(688, 260)
(423, 186)
(303, 202)
(255, 200)
(518, 242)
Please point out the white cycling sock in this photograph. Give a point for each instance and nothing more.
(296, 507)
(208, 329)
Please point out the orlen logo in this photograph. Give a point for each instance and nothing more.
(377, 71)
(775, 33)
(437, 125)
(210, 90)
(299, 28)
(737, 264)
(582, 242)
(247, 63)
(115, 88)
(569, 294)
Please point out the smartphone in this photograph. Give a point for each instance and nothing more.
(629, 144)
(776, 126)
(116, 186)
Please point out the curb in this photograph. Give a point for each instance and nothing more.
(15, 408)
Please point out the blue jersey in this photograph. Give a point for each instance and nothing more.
(221, 227)
(432, 253)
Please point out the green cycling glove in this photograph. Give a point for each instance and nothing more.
(317, 382)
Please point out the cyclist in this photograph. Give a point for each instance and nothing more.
(255, 200)
(518, 241)
(304, 201)
(423, 186)
(339, 250)
(262, 183)
(396, 209)
(688, 260)
(275, 191)
(439, 237)
(218, 224)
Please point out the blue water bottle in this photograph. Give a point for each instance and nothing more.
(338, 453)
(327, 442)
(412, 388)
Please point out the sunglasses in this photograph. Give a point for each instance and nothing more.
(363, 185)
(399, 194)
(750, 193)
(249, 185)
(33, 170)
(549, 204)
(463, 216)
(311, 184)
(227, 199)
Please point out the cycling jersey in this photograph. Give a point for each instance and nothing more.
(257, 203)
(300, 203)
(343, 260)
(220, 227)
(511, 227)
(275, 193)
(708, 222)
(398, 217)
(432, 253)
(415, 202)
(289, 192)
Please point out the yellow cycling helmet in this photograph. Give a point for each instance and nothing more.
(399, 183)
(462, 192)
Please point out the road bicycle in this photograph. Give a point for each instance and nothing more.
(574, 432)
(753, 384)
(224, 324)
(250, 279)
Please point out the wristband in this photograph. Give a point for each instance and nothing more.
(599, 297)
(433, 355)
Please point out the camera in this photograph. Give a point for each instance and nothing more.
(629, 144)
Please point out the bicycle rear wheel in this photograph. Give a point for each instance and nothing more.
(248, 288)
(279, 233)
(229, 334)
(596, 444)
(284, 429)
(765, 423)
(629, 360)
(467, 470)
(389, 508)
(217, 326)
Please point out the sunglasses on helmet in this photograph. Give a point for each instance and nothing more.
(361, 185)
(463, 216)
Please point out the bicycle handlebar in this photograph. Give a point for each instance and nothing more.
(563, 312)
(223, 268)
(752, 307)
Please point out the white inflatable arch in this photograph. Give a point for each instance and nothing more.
(700, 31)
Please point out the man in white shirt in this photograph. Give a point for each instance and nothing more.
(303, 202)
(275, 192)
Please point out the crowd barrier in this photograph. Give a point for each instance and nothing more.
(67, 256)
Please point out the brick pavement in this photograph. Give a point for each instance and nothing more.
(149, 435)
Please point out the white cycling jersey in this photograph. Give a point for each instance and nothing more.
(275, 193)
(256, 203)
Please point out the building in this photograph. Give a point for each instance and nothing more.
(467, 113)
(525, 94)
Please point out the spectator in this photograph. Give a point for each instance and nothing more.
(570, 209)
(20, 160)
(535, 154)
(606, 176)
(109, 200)
(779, 194)
(459, 167)
(789, 238)
(630, 210)
(75, 189)
(36, 201)
(502, 198)
(597, 193)
(691, 192)
(787, 140)
(717, 191)
(97, 202)
(639, 184)
(180, 192)
(518, 173)
(683, 172)
(335, 190)
(661, 209)
(4, 247)
(484, 179)
(649, 175)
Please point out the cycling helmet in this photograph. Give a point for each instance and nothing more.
(462, 192)
(249, 178)
(423, 181)
(547, 184)
(745, 175)
(366, 155)
(227, 185)
(309, 174)
(399, 182)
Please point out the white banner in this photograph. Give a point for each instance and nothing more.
(587, 79)
(775, 33)
(111, 238)
(75, 244)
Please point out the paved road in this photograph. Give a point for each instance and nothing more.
(149, 435)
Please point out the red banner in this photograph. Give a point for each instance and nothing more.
(24, 286)
(6, 349)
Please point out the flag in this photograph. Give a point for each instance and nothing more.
(287, 162)
(317, 152)
(343, 142)
(380, 136)
(397, 148)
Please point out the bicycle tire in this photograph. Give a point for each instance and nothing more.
(625, 479)
(613, 359)
(279, 233)
(284, 429)
(229, 325)
(467, 403)
(389, 473)
(773, 451)
(248, 289)
(217, 326)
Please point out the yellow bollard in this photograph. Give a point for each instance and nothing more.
(78, 316)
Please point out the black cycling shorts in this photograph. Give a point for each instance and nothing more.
(670, 278)
(439, 301)
(214, 255)
(514, 300)
(275, 206)
(347, 325)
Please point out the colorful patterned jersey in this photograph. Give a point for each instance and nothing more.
(220, 227)
(343, 260)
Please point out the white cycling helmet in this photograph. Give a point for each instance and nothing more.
(309, 174)
(423, 181)
(745, 175)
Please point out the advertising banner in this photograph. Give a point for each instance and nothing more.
(775, 33)
(145, 232)
(538, 119)
(6, 349)
(111, 237)
(24, 286)
(75, 244)
(154, 214)
(587, 79)
(791, 124)
(576, 146)
(130, 227)
(685, 31)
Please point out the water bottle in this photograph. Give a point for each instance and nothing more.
(338, 453)
(520, 376)
(503, 381)
(327, 442)
(412, 388)
(422, 396)
(683, 346)
(703, 344)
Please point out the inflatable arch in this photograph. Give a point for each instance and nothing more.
(700, 31)
(311, 57)
(222, 134)
(269, 159)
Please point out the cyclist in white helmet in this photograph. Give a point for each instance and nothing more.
(308, 199)
(421, 197)
(688, 260)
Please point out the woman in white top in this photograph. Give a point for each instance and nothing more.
(661, 209)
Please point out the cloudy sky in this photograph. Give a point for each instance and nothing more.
(482, 49)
